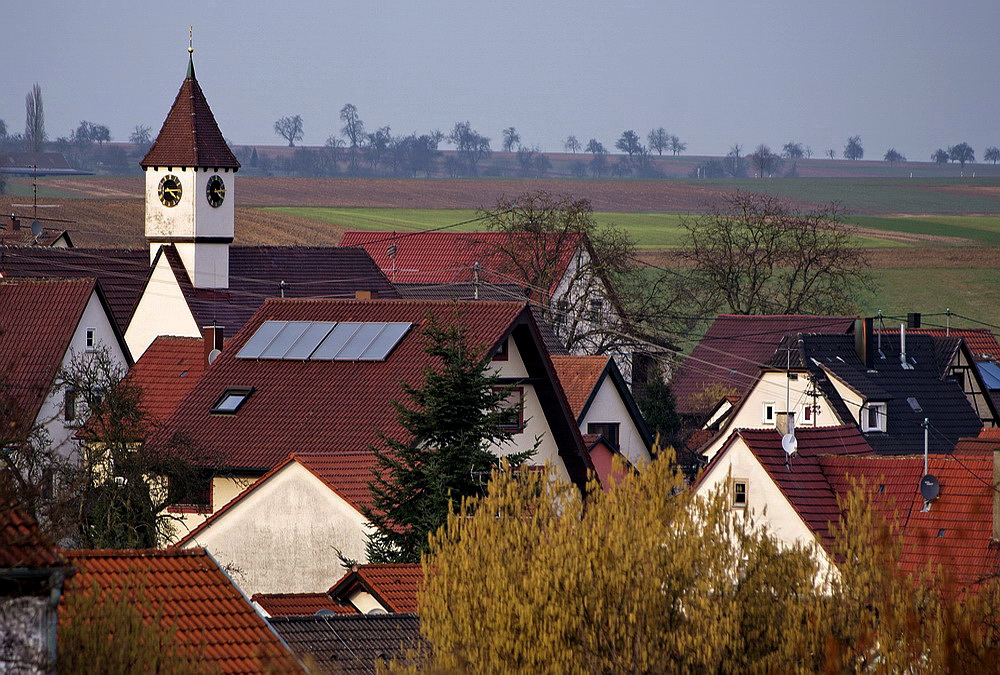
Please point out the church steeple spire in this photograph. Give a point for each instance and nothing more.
(190, 73)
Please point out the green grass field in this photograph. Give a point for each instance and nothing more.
(875, 195)
(649, 230)
(971, 292)
(979, 229)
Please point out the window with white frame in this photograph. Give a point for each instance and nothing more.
(91, 339)
(807, 414)
(767, 412)
(873, 416)
(739, 493)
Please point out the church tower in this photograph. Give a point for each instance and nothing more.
(190, 180)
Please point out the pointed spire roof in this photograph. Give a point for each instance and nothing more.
(190, 136)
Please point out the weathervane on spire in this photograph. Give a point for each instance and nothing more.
(190, 39)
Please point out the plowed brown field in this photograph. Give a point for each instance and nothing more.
(615, 196)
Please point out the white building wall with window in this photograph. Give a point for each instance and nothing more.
(608, 407)
(92, 333)
(765, 501)
(769, 395)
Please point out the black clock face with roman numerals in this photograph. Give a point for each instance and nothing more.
(216, 191)
(170, 190)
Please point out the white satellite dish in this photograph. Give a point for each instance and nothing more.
(789, 444)
(212, 355)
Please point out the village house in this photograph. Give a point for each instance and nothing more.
(45, 325)
(294, 404)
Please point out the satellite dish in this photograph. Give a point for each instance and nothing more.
(36, 229)
(212, 355)
(929, 487)
(789, 444)
(325, 612)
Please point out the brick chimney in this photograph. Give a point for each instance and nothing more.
(784, 422)
(864, 341)
(213, 336)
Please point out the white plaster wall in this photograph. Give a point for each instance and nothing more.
(207, 265)
(224, 490)
(365, 602)
(52, 415)
(281, 538)
(852, 399)
(771, 389)
(765, 501)
(162, 310)
(608, 406)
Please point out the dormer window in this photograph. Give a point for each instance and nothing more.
(231, 401)
(873, 416)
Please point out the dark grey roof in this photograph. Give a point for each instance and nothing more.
(256, 273)
(122, 272)
(941, 399)
(350, 643)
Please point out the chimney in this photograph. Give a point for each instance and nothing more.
(784, 422)
(864, 343)
(902, 348)
(213, 341)
(366, 295)
(996, 494)
(913, 320)
(15, 222)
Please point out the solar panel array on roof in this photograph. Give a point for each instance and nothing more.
(324, 340)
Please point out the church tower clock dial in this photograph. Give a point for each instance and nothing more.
(216, 191)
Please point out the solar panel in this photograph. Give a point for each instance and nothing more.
(356, 346)
(253, 347)
(386, 340)
(310, 340)
(330, 348)
(991, 375)
(324, 340)
(284, 340)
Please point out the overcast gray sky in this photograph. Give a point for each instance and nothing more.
(915, 74)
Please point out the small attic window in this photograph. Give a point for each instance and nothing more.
(881, 489)
(502, 353)
(91, 339)
(941, 533)
(231, 401)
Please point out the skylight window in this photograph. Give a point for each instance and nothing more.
(324, 340)
(231, 401)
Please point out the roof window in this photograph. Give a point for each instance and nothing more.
(231, 401)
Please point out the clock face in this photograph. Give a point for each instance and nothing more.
(216, 191)
(170, 190)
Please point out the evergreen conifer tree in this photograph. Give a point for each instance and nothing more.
(451, 420)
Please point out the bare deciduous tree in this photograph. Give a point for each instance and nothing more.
(289, 128)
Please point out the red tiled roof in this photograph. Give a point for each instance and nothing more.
(802, 479)
(320, 408)
(299, 604)
(166, 371)
(734, 348)
(22, 544)
(37, 322)
(190, 135)
(578, 376)
(448, 257)
(186, 589)
(394, 585)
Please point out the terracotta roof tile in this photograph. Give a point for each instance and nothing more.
(22, 544)
(394, 585)
(294, 402)
(188, 590)
(37, 322)
(981, 342)
(733, 349)
(166, 371)
(351, 644)
(449, 257)
(578, 376)
(190, 136)
(299, 604)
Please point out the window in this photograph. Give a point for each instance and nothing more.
(607, 429)
(873, 417)
(231, 401)
(91, 339)
(190, 493)
(767, 413)
(513, 411)
(807, 414)
(502, 353)
(69, 404)
(559, 314)
(739, 493)
(594, 309)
